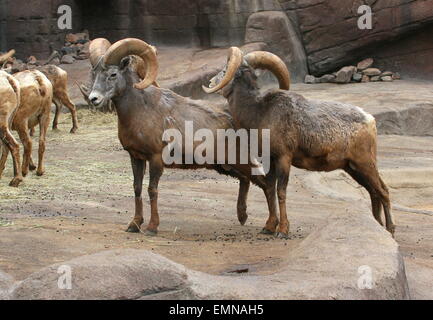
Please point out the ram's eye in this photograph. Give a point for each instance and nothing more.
(113, 75)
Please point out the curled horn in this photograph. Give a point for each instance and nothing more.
(269, 61)
(234, 61)
(132, 46)
(97, 50)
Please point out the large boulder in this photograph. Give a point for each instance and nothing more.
(351, 257)
(276, 30)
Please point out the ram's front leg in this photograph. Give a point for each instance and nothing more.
(244, 186)
(156, 169)
(138, 169)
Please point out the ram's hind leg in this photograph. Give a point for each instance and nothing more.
(376, 204)
(4, 157)
(23, 133)
(269, 189)
(10, 144)
(69, 104)
(57, 113)
(371, 175)
(44, 122)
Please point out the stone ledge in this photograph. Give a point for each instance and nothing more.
(324, 266)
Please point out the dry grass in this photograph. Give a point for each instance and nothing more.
(81, 164)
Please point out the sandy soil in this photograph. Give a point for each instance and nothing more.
(85, 200)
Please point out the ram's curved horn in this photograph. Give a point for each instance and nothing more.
(132, 46)
(269, 61)
(233, 63)
(5, 57)
(97, 50)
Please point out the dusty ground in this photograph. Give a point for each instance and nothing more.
(84, 202)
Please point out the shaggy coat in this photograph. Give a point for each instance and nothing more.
(311, 135)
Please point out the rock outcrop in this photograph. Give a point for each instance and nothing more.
(352, 257)
(330, 30)
(280, 35)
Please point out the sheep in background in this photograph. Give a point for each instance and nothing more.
(36, 98)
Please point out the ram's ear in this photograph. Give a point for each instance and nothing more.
(124, 63)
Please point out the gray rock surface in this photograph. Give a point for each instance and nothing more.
(309, 79)
(357, 77)
(345, 74)
(365, 64)
(371, 72)
(415, 120)
(327, 78)
(325, 265)
(276, 30)
(386, 78)
(67, 59)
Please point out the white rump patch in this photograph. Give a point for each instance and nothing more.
(368, 117)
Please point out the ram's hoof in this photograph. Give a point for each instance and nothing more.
(15, 182)
(281, 235)
(150, 233)
(267, 232)
(133, 228)
(243, 219)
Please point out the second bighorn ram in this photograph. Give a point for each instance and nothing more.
(311, 135)
(145, 111)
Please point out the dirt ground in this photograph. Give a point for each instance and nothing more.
(85, 200)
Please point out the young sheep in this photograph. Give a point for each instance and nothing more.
(59, 80)
(311, 135)
(9, 102)
(36, 98)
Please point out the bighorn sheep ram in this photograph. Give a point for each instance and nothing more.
(144, 112)
(9, 102)
(36, 98)
(312, 135)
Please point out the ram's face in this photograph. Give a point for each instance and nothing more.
(108, 83)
